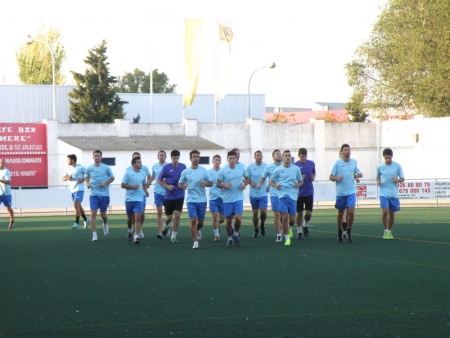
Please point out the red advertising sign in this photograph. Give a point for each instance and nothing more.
(24, 147)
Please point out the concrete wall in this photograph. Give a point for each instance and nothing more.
(420, 145)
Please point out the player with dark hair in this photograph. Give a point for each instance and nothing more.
(344, 172)
(215, 198)
(305, 200)
(389, 174)
(174, 196)
(258, 195)
(75, 174)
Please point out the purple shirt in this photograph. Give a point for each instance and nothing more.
(172, 176)
(307, 169)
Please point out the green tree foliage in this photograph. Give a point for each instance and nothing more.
(95, 100)
(405, 65)
(35, 60)
(139, 82)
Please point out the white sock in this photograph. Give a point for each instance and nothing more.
(286, 236)
(279, 234)
(306, 224)
(230, 238)
(174, 234)
(299, 229)
(216, 233)
(130, 230)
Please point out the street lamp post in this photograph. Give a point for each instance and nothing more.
(30, 40)
(272, 65)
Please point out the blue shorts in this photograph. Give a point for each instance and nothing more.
(258, 202)
(216, 206)
(275, 203)
(233, 208)
(344, 202)
(197, 210)
(99, 202)
(145, 201)
(77, 196)
(288, 205)
(392, 203)
(6, 200)
(134, 207)
(159, 199)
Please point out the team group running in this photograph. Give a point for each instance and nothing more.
(289, 186)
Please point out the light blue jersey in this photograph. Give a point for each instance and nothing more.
(267, 174)
(288, 178)
(235, 177)
(385, 172)
(156, 170)
(77, 172)
(214, 192)
(193, 177)
(132, 177)
(98, 175)
(348, 170)
(254, 175)
(5, 175)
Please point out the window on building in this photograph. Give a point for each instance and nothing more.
(111, 161)
(204, 160)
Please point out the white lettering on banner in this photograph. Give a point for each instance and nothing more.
(416, 190)
(442, 190)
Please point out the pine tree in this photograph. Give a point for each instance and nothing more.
(95, 100)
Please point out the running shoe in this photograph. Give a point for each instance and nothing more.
(105, 229)
(94, 237)
(299, 236)
(199, 234)
(11, 225)
(237, 240)
(291, 233)
(141, 234)
(263, 230)
(174, 240)
(86, 223)
(75, 226)
(159, 235)
(165, 230)
(279, 239)
(195, 246)
(255, 234)
(390, 235)
(136, 239)
(216, 239)
(305, 231)
(288, 242)
(386, 235)
(350, 238)
(230, 243)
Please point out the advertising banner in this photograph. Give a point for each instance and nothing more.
(24, 147)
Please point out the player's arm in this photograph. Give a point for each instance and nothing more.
(221, 185)
(64, 178)
(336, 178)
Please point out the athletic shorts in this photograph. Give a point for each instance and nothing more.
(344, 202)
(287, 205)
(275, 204)
(134, 207)
(159, 199)
(6, 200)
(77, 196)
(216, 206)
(197, 210)
(233, 208)
(305, 203)
(392, 203)
(258, 202)
(171, 205)
(99, 202)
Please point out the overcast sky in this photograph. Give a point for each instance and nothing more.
(310, 41)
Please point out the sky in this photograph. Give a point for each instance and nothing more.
(309, 41)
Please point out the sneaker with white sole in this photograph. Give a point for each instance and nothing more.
(75, 226)
(159, 235)
(141, 234)
(105, 229)
(279, 239)
(94, 237)
(86, 224)
(199, 235)
(195, 246)
(174, 240)
(136, 239)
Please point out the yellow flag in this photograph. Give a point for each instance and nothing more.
(192, 44)
(225, 33)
